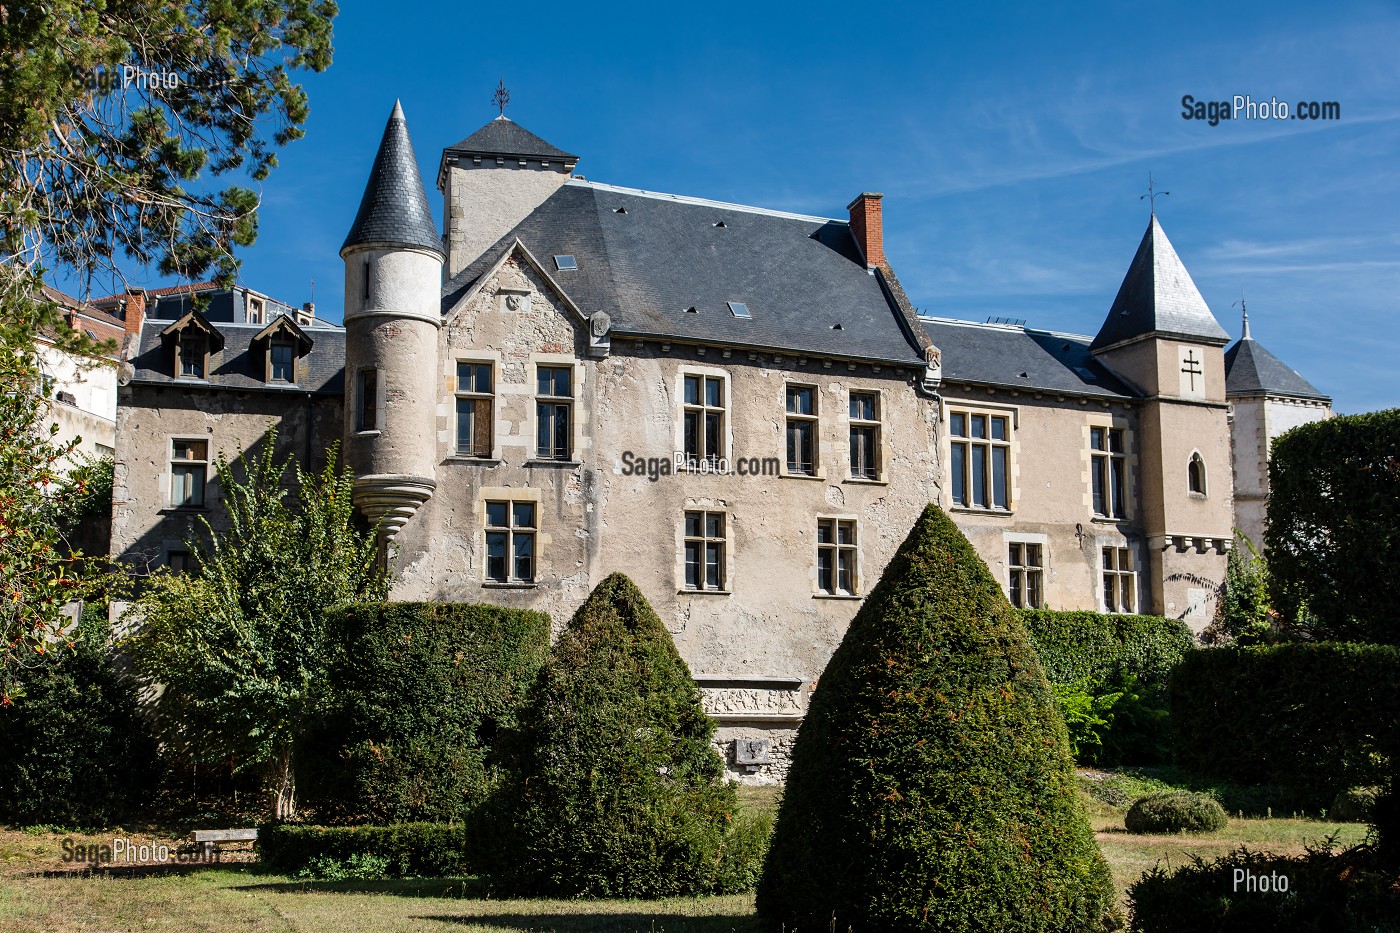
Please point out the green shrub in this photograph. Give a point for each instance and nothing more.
(1314, 716)
(399, 850)
(361, 866)
(1087, 717)
(1354, 805)
(1175, 812)
(1333, 533)
(931, 785)
(76, 752)
(612, 787)
(1327, 892)
(417, 699)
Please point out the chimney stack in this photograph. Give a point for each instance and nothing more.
(867, 229)
(134, 311)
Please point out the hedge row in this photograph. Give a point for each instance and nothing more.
(419, 694)
(1318, 716)
(411, 849)
(1075, 646)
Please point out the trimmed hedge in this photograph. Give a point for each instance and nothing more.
(931, 785)
(1075, 646)
(1175, 812)
(1326, 892)
(1320, 717)
(410, 849)
(417, 698)
(613, 788)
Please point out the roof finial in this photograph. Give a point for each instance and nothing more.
(1151, 194)
(1244, 311)
(502, 97)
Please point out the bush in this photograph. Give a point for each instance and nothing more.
(1326, 892)
(1175, 812)
(417, 699)
(1354, 805)
(612, 787)
(76, 752)
(1333, 533)
(400, 850)
(1314, 716)
(931, 785)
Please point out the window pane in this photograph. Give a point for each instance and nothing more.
(466, 424)
(714, 435)
(824, 531)
(800, 400)
(1096, 438)
(714, 524)
(825, 571)
(979, 425)
(1108, 558)
(863, 406)
(799, 447)
(846, 571)
(496, 556)
(714, 392)
(542, 381)
(1097, 474)
(1033, 555)
(692, 564)
(1128, 594)
(524, 557)
(692, 524)
(979, 475)
(846, 532)
(692, 390)
(482, 382)
(959, 471)
(1016, 599)
(1109, 603)
(714, 560)
(563, 381)
(1033, 590)
(1014, 555)
(1115, 441)
(496, 514)
(561, 432)
(999, 497)
(1117, 468)
(999, 429)
(524, 514)
(545, 429)
(692, 433)
(957, 425)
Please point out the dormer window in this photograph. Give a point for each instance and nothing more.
(282, 361)
(281, 345)
(257, 310)
(192, 355)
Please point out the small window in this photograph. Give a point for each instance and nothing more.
(739, 310)
(802, 430)
(1196, 475)
(703, 414)
(257, 311)
(865, 435)
(475, 407)
(189, 472)
(179, 561)
(282, 361)
(366, 277)
(566, 263)
(510, 541)
(192, 352)
(1026, 568)
(836, 556)
(1119, 580)
(704, 550)
(980, 461)
(1109, 473)
(367, 401)
(554, 412)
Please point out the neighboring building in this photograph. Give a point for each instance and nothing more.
(1266, 399)
(209, 371)
(736, 407)
(82, 392)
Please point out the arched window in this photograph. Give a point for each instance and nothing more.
(1196, 475)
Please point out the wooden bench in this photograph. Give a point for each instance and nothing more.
(209, 839)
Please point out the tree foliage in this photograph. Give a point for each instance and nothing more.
(240, 645)
(1333, 535)
(613, 788)
(931, 785)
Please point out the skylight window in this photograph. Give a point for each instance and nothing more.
(739, 310)
(566, 263)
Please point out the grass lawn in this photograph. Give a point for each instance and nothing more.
(234, 896)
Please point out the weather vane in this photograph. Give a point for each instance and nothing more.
(502, 97)
(1244, 312)
(1152, 193)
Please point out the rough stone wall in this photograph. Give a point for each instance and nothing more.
(1254, 423)
(484, 202)
(149, 417)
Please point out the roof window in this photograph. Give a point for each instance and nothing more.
(739, 310)
(566, 263)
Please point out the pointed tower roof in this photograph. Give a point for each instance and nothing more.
(503, 137)
(1158, 297)
(394, 209)
(1252, 370)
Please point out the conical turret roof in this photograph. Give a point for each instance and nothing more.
(1158, 297)
(1250, 369)
(394, 209)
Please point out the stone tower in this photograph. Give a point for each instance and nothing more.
(1162, 338)
(393, 280)
(1266, 398)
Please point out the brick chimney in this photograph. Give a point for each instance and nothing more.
(867, 229)
(134, 310)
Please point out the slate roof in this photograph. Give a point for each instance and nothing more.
(240, 366)
(1021, 358)
(645, 258)
(394, 208)
(1158, 296)
(1252, 370)
(504, 137)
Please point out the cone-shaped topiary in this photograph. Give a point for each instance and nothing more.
(613, 788)
(931, 785)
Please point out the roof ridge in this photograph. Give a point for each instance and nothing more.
(700, 202)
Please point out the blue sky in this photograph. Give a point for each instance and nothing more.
(1011, 143)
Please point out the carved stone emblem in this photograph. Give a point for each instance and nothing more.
(751, 752)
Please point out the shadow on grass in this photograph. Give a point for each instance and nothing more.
(599, 922)
(457, 888)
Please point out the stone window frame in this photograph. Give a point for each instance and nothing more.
(857, 590)
(726, 542)
(726, 406)
(1132, 575)
(576, 386)
(174, 461)
(793, 419)
(513, 495)
(877, 425)
(1197, 477)
(459, 395)
(1012, 540)
(257, 309)
(1109, 422)
(1011, 444)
